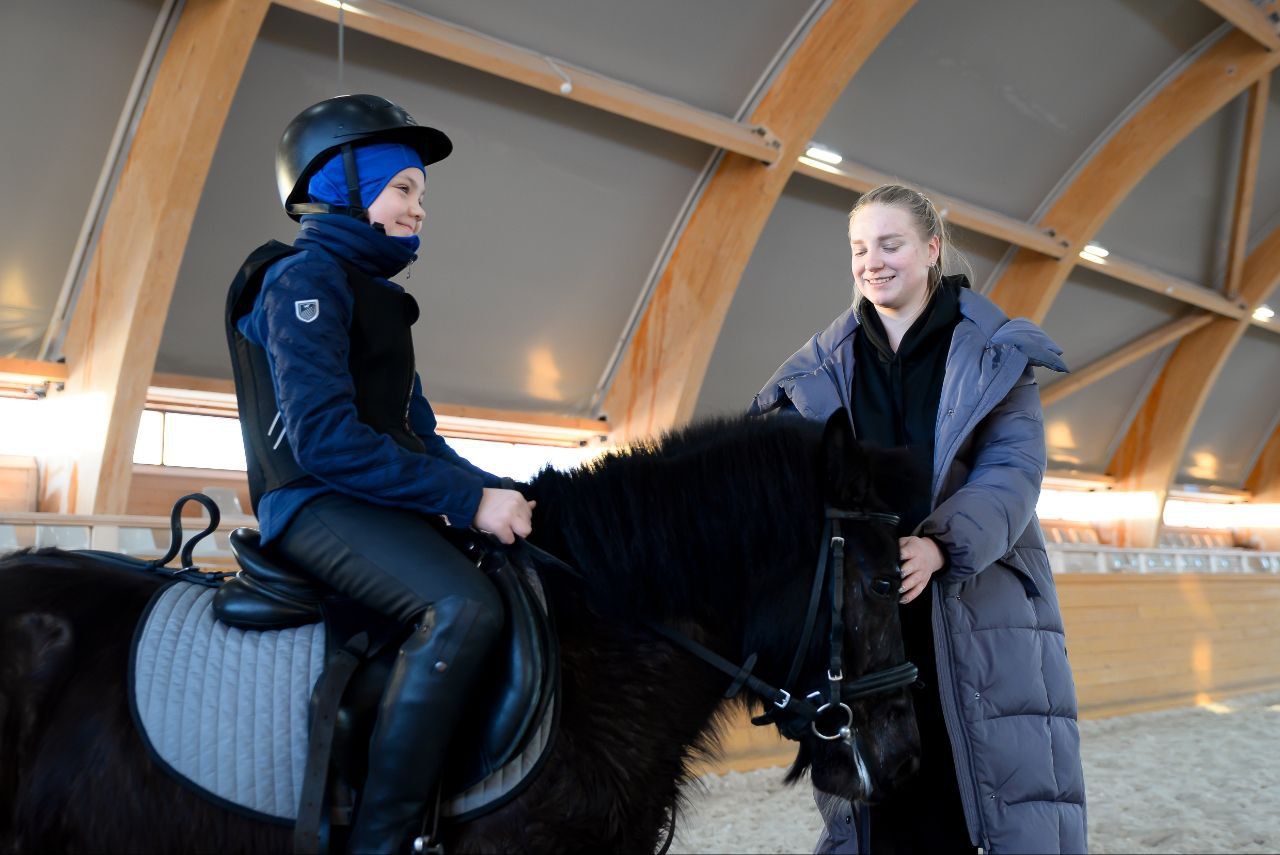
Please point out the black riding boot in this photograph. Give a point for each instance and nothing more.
(424, 699)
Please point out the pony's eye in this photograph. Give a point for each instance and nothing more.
(882, 586)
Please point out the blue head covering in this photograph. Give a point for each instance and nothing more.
(376, 164)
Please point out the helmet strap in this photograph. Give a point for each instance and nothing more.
(354, 208)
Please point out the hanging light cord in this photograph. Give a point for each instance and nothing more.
(341, 33)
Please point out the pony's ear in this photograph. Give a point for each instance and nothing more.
(845, 464)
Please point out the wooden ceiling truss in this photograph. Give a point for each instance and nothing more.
(663, 364)
(115, 331)
(1082, 378)
(119, 315)
(1151, 452)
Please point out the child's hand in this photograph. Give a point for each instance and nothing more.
(505, 514)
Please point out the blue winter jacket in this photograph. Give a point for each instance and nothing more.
(316, 395)
(1005, 684)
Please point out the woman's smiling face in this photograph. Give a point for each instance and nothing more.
(891, 259)
(399, 206)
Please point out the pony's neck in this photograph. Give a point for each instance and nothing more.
(707, 531)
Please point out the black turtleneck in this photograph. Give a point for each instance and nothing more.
(895, 395)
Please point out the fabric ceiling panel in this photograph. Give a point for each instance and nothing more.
(1095, 315)
(1082, 429)
(797, 281)
(982, 252)
(541, 227)
(1178, 218)
(1266, 199)
(1238, 417)
(994, 102)
(67, 69)
(709, 53)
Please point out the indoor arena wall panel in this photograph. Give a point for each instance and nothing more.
(1136, 642)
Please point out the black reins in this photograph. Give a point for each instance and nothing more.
(794, 713)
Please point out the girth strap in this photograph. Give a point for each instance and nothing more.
(325, 701)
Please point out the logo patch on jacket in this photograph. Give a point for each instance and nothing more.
(307, 310)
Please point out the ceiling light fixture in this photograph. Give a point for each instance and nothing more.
(1091, 256)
(817, 164)
(1101, 252)
(343, 7)
(825, 155)
(1264, 313)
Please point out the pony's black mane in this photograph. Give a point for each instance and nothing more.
(660, 526)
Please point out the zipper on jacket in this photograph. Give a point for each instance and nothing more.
(408, 404)
(955, 728)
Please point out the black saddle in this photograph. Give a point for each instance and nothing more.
(270, 594)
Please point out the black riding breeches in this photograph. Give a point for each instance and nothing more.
(924, 814)
(395, 562)
(390, 560)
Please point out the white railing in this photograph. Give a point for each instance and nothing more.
(1093, 558)
(148, 537)
(142, 537)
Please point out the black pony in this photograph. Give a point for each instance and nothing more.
(714, 531)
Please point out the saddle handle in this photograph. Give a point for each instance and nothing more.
(175, 530)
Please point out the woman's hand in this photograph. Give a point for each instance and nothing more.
(505, 514)
(921, 557)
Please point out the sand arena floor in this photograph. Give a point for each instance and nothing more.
(1205, 779)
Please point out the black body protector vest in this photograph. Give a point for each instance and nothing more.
(381, 364)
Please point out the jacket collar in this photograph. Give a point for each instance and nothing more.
(1019, 333)
(357, 243)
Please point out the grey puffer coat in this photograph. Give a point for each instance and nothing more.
(1007, 694)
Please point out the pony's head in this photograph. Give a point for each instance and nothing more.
(882, 746)
(715, 529)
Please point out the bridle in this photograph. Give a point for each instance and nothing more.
(794, 713)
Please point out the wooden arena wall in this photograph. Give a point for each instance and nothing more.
(1137, 642)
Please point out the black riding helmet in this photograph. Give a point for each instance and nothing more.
(324, 129)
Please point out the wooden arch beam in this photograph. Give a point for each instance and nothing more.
(1148, 457)
(1122, 357)
(1032, 280)
(421, 32)
(663, 365)
(1263, 482)
(115, 331)
(1246, 182)
(1249, 19)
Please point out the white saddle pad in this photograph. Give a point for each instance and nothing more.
(225, 709)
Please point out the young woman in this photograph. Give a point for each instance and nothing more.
(922, 362)
(348, 476)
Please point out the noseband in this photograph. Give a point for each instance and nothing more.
(792, 714)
